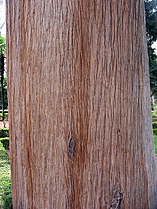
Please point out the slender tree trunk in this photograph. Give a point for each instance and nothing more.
(2, 83)
(79, 105)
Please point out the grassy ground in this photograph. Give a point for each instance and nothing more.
(5, 176)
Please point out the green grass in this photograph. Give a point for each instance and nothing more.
(5, 175)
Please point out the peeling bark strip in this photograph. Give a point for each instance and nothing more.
(79, 67)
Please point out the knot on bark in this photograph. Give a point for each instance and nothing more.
(71, 148)
(116, 198)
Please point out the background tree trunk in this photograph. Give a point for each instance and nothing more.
(2, 83)
(79, 105)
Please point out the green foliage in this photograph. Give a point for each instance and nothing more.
(5, 142)
(151, 31)
(155, 131)
(4, 132)
(5, 179)
(154, 115)
(154, 124)
(5, 96)
(2, 45)
(2, 55)
(155, 141)
(5, 116)
(3, 155)
(7, 196)
(153, 70)
(151, 20)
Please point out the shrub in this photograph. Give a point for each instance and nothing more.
(155, 141)
(155, 131)
(5, 142)
(154, 115)
(4, 132)
(7, 196)
(3, 154)
(154, 124)
(5, 116)
(5, 179)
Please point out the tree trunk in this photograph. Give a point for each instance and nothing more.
(2, 83)
(79, 105)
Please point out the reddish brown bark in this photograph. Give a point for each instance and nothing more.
(80, 121)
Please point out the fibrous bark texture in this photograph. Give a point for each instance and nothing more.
(79, 107)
